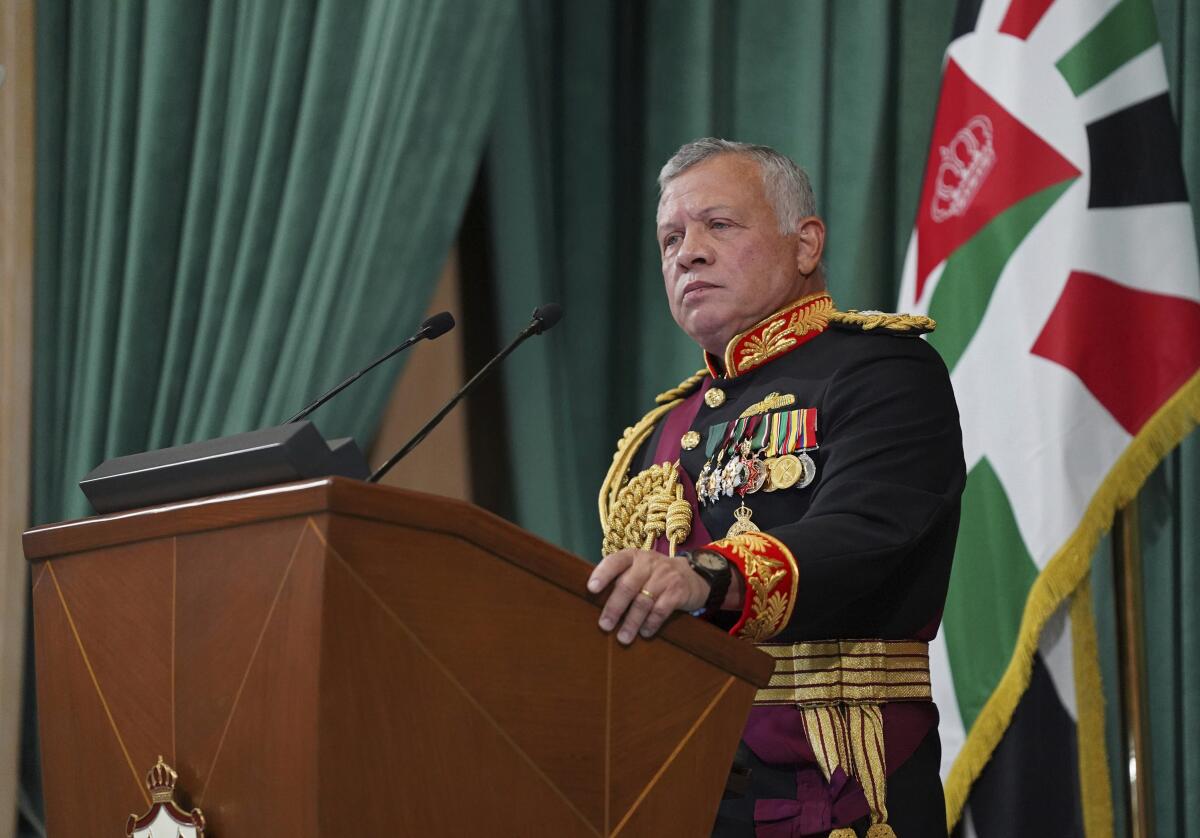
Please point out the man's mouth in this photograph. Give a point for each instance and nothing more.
(695, 287)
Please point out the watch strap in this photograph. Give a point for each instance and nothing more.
(718, 580)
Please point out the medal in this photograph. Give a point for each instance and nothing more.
(754, 473)
(742, 524)
(714, 478)
(786, 471)
(702, 483)
(810, 470)
(729, 475)
(768, 483)
(756, 476)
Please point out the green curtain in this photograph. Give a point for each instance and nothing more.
(598, 97)
(237, 204)
(1170, 535)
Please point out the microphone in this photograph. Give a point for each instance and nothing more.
(544, 318)
(434, 327)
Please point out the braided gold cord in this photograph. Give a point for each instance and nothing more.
(627, 519)
(681, 389)
(679, 519)
(634, 512)
(656, 505)
(880, 320)
(646, 507)
(627, 449)
(633, 439)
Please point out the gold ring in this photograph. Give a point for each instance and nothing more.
(644, 592)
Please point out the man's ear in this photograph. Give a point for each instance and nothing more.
(811, 234)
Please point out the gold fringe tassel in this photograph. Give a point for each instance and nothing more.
(1094, 785)
(850, 737)
(1061, 576)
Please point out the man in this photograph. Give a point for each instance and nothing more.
(803, 491)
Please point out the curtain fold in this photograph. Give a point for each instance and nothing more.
(237, 204)
(601, 94)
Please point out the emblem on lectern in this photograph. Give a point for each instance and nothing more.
(165, 819)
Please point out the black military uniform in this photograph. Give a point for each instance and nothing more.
(847, 571)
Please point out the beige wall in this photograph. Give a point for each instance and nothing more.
(432, 373)
(16, 336)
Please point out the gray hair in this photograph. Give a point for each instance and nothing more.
(786, 185)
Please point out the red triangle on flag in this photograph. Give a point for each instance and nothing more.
(982, 160)
(1132, 349)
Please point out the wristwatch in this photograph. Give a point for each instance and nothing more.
(714, 569)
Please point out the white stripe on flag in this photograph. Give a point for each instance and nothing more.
(1138, 80)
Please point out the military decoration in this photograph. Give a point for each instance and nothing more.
(786, 471)
(773, 401)
(810, 470)
(742, 523)
(759, 452)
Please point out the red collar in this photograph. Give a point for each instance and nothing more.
(787, 329)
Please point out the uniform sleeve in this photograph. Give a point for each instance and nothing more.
(891, 470)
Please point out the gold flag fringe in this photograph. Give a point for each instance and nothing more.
(1061, 576)
(1094, 787)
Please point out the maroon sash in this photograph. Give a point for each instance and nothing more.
(676, 425)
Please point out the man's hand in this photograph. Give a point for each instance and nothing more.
(648, 588)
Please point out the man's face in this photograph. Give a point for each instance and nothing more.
(725, 263)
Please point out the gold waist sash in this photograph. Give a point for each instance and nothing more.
(847, 672)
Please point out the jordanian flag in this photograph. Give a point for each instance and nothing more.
(1054, 246)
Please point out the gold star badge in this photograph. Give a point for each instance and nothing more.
(715, 397)
(689, 440)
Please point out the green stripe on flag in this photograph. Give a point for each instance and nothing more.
(972, 271)
(990, 580)
(1126, 31)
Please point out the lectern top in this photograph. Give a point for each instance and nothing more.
(412, 510)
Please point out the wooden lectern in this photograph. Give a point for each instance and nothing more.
(336, 658)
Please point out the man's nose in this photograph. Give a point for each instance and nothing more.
(694, 250)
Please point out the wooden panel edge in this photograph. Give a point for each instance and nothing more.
(345, 498)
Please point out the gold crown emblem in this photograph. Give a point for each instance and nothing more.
(160, 780)
(966, 161)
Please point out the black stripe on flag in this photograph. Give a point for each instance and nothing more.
(966, 16)
(1031, 785)
(1135, 156)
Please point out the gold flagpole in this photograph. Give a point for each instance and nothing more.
(1131, 664)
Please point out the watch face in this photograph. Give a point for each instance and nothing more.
(711, 561)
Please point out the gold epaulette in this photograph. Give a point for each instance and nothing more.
(635, 436)
(906, 324)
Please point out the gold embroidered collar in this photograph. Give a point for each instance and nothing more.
(789, 328)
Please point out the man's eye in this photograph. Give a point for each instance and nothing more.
(670, 240)
(720, 225)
